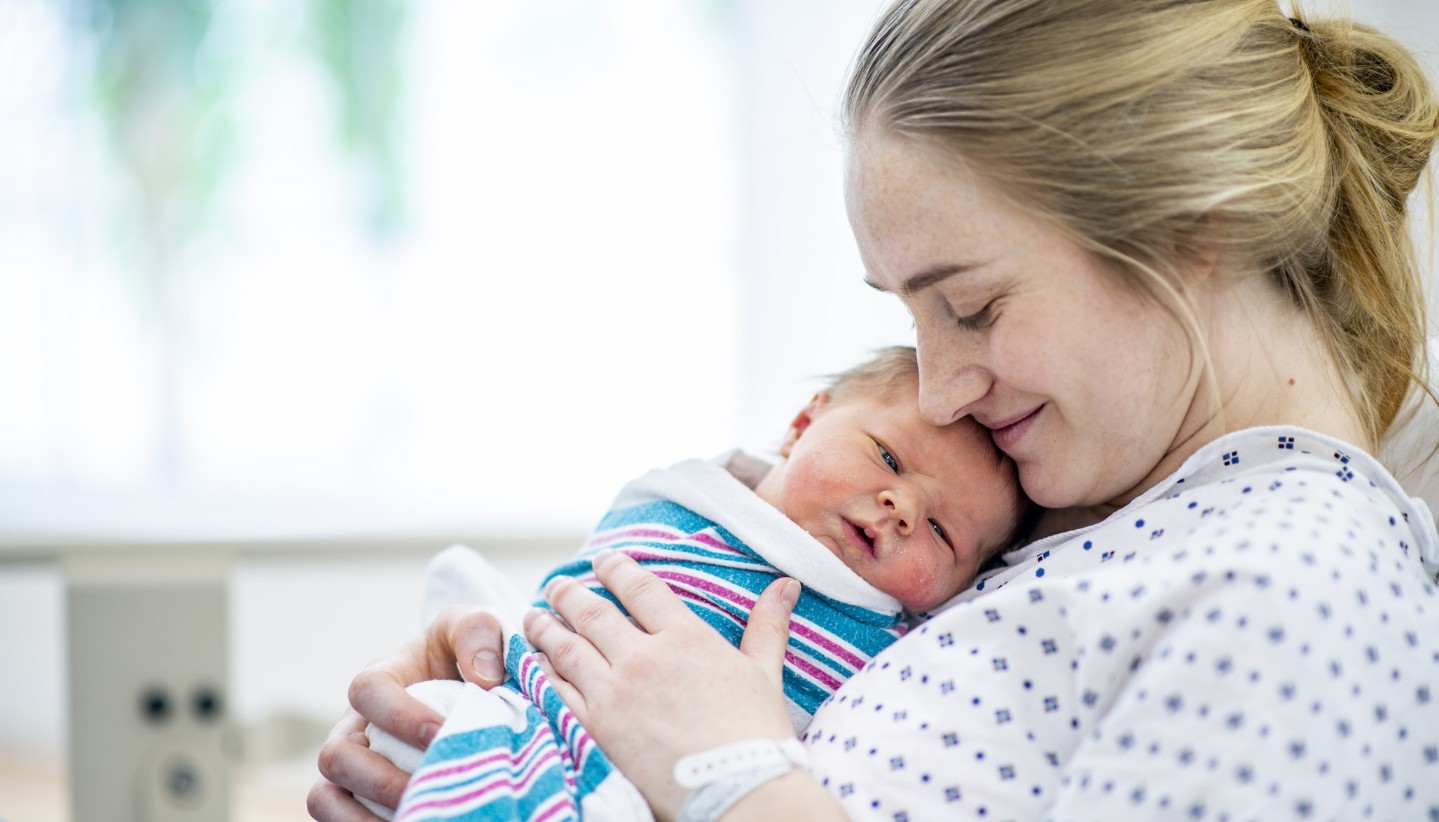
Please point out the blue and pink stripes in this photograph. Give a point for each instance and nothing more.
(546, 770)
(493, 773)
(720, 577)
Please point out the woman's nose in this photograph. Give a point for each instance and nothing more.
(948, 386)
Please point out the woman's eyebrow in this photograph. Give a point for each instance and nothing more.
(924, 279)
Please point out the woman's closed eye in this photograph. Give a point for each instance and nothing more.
(982, 318)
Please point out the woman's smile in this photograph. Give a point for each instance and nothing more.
(1008, 433)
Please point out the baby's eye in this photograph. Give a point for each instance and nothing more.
(939, 532)
(889, 459)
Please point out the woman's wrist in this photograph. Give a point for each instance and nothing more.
(722, 776)
(793, 795)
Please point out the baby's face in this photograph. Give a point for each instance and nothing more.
(907, 506)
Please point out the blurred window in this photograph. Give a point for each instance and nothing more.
(360, 264)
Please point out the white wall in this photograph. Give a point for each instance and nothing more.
(806, 311)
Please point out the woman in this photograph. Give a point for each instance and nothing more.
(1160, 250)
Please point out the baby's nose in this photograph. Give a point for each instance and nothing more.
(900, 510)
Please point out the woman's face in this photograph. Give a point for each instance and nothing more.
(1086, 384)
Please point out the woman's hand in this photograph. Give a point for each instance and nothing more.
(460, 643)
(673, 686)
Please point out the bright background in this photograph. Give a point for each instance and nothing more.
(394, 267)
(343, 264)
(332, 267)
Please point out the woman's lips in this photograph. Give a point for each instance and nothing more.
(1009, 432)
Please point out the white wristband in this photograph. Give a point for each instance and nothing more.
(725, 761)
(725, 775)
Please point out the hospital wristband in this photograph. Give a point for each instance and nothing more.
(723, 776)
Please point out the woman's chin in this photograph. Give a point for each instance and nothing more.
(1054, 490)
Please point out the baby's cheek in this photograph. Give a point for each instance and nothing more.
(915, 579)
(816, 476)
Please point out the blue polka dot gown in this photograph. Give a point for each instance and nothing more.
(1255, 638)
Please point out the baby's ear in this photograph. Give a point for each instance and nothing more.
(801, 422)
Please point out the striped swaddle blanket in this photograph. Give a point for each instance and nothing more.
(518, 753)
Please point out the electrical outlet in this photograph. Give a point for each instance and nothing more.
(148, 707)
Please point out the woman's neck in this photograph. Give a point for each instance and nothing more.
(1271, 366)
(1059, 520)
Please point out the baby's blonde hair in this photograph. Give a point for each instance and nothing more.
(887, 370)
(1148, 129)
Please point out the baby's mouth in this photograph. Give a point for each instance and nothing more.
(860, 537)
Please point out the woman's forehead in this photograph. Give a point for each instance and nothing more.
(912, 212)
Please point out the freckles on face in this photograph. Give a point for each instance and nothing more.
(1086, 383)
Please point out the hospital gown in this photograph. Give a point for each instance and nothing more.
(1257, 637)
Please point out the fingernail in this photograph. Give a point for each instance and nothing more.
(427, 733)
(601, 557)
(487, 665)
(555, 582)
(533, 616)
(789, 595)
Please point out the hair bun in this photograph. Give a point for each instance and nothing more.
(1377, 100)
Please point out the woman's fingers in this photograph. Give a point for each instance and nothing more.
(461, 642)
(604, 627)
(474, 638)
(569, 657)
(348, 768)
(648, 599)
(328, 802)
(600, 634)
(766, 637)
(641, 691)
(572, 697)
(378, 694)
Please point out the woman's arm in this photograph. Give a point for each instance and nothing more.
(795, 795)
(667, 685)
(460, 643)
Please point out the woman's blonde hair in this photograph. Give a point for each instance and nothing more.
(1148, 129)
